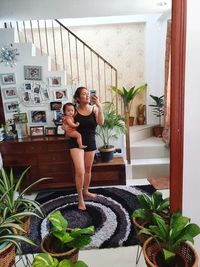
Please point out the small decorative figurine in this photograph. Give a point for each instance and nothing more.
(141, 114)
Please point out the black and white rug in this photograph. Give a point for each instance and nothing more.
(110, 213)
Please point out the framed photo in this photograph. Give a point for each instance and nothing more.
(50, 131)
(36, 131)
(26, 96)
(37, 99)
(38, 116)
(61, 94)
(20, 118)
(56, 105)
(36, 88)
(45, 94)
(59, 130)
(28, 86)
(33, 73)
(54, 81)
(9, 92)
(8, 78)
(11, 106)
(58, 116)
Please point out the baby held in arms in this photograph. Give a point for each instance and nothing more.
(70, 126)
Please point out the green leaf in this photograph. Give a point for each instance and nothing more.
(65, 263)
(44, 260)
(80, 264)
(168, 255)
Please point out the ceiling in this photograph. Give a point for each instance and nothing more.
(51, 9)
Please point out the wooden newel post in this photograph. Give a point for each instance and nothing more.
(128, 151)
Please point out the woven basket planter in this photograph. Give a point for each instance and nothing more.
(186, 252)
(25, 225)
(47, 247)
(139, 225)
(7, 255)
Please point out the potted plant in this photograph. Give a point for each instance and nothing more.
(14, 201)
(168, 247)
(62, 242)
(158, 111)
(112, 127)
(9, 239)
(128, 96)
(149, 205)
(45, 260)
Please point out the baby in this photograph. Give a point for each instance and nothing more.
(69, 125)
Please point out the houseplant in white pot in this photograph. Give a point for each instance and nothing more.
(112, 127)
(158, 111)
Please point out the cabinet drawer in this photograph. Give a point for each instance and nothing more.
(54, 157)
(35, 148)
(58, 177)
(55, 168)
(55, 146)
(23, 160)
(13, 148)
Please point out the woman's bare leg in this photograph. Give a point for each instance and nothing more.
(78, 160)
(89, 158)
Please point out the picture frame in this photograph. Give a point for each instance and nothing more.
(8, 78)
(49, 131)
(9, 92)
(60, 94)
(20, 118)
(58, 116)
(33, 73)
(38, 116)
(36, 87)
(56, 105)
(36, 131)
(28, 86)
(55, 81)
(11, 107)
(26, 96)
(59, 130)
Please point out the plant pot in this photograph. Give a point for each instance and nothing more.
(139, 224)
(157, 131)
(131, 121)
(106, 153)
(7, 254)
(25, 226)
(185, 254)
(48, 245)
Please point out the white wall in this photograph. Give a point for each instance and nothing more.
(191, 182)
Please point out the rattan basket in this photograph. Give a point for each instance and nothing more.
(139, 225)
(7, 255)
(186, 251)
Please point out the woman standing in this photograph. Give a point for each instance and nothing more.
(88, 118)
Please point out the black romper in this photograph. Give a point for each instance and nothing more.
(87, 129)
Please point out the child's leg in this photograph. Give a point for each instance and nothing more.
(78, 137)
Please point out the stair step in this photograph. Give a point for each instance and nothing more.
(140, 132)
(152, 161)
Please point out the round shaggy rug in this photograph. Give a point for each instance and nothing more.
(110, 213)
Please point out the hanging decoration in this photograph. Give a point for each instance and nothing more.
(8, 55)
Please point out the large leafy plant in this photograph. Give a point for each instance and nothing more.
(129, 94)
(150, 205)
(14, 201)
(75, 238)
(113, 125)
(171, 235)
(45, 260)
(158, 107)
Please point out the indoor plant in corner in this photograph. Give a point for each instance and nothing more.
(168, 247)
(158, 111)
(148, 205)
(112, 127)
(62, 242)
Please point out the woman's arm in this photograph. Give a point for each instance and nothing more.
(98, 111)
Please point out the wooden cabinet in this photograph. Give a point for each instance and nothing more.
(50, 157)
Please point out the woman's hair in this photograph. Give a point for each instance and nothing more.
(78, 93)
(68, 105)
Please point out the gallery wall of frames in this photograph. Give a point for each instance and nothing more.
(33, 101)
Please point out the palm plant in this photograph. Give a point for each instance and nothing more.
(112, 127)
(158, 107)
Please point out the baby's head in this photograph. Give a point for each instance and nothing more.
(69, 109)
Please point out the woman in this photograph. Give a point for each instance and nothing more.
(88, 117)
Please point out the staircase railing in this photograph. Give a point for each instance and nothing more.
(83, 65)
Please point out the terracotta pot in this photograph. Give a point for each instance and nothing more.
(157, 131)
(131, 121)
(139, 224)
(48, 246)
